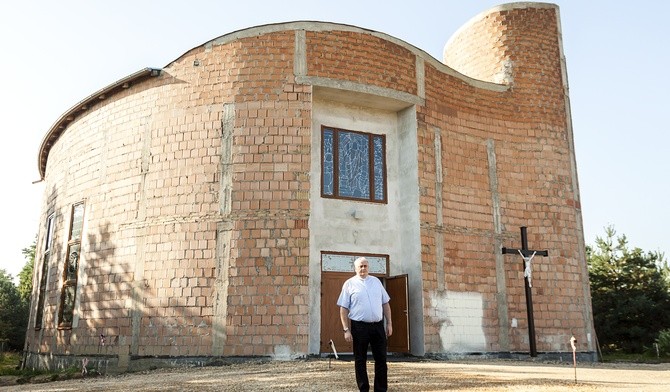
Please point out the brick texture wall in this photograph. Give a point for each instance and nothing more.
(196, 184)
(528, 127)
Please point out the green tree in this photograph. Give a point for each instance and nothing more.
(26, 274)
(13, 313)
(630, 293)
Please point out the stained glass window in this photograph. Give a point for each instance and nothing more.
(328, 165)
(71, 267)
(353, 165)
(69, 293)
(72, 262)
(77, 221)
(379, 168)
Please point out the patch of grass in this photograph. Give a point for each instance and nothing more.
(9, 366)
(8, 363)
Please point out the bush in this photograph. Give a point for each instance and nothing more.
(630, 293)
(9, 361)
(662, 344)
(13, 314)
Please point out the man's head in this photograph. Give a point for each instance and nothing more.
(361, 267)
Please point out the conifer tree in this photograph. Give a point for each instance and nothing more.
(630, 294)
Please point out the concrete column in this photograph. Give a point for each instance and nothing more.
(439, 234)
(223, 231)
(501, 284)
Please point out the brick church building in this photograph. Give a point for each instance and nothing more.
(212, 208)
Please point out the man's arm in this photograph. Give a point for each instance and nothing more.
(344, 317)
(387, 315)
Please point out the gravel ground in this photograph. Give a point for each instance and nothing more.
(416, 375)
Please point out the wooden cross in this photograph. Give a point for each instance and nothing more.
(527, 255)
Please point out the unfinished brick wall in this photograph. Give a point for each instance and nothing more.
(196, 182)
(527, 129)
(267, 297)
(361, 58)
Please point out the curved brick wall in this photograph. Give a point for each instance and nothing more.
(196, 185)
(527, 131)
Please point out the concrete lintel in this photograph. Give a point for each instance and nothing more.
(360, 94)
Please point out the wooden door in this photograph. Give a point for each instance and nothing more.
(396, 286)
(331, 326)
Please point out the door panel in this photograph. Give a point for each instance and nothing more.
(396, 286)
(331, 326)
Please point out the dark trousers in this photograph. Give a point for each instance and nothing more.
(373, 335)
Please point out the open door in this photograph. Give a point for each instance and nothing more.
(331, 326)
(396, 286)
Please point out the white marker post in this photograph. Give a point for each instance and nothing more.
(332, 345)
(574, 354)
(334, 350)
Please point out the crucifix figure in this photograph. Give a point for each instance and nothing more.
(527, 255)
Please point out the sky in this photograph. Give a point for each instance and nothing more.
(56, 53)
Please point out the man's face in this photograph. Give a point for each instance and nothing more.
(362, 269)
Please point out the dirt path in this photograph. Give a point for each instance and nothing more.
(322, 375)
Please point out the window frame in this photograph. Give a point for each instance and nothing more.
(69, 282)
(44, 271)
(371, 165)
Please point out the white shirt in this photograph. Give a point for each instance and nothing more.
(364, 298)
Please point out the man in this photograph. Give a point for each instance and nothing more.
(364, 304)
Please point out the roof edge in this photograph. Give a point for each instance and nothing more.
(320, 26)
(71, 114)
(59, 126)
